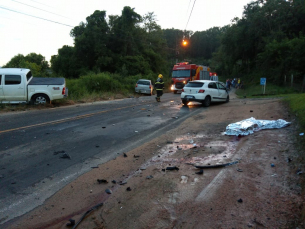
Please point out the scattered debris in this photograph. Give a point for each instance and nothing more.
(58, 152)
(200, 172)
(97, 146)
(149, 177)
(215, 166)
(86, 213)
(272, 165)
(113, 181)
(184, 179)
(128, 189)
(289, 160)
(240, 200)
(136, 131)
(169, 142)
(125, 155)
(251, 110)
(101, 181)
(108, 191)
(104, 127)
(135, 156)
(239, 170)
(71, 223)
(301, 134)
(299, 172)
(65, 155)
(123, 182)
(94, 167)
(172, 168)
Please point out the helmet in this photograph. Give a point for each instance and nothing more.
(160, 76)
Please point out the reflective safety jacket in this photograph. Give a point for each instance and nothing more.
(159, 85)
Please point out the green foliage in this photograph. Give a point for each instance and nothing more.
(297, 106)
(33, 61)
(268, 40)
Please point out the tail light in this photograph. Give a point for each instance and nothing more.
(149, 86)
(201, 91)
(182, 90)
(136, 85)
(63, 91)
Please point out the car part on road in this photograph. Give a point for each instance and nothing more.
(172, 168)
(86, 213)
(200, 172)
(108, 191)
(71, 223)
(65, 156)
(101, 181)
(215, 166)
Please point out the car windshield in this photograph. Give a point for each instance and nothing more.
(194, 84)
(144, 82)
(181, 73)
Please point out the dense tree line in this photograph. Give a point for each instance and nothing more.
(268, 41)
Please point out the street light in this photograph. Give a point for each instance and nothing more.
(184, 43)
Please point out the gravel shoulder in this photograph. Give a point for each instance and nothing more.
(248, 194)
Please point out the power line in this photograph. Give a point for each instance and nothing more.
(39, 8)
(190, 15)
(42, 3)
(36, 17)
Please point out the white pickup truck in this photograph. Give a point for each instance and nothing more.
(17, 85)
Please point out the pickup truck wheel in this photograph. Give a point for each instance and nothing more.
(207, 101)
(40, 99)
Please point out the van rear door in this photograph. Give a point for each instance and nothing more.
(14, 88)
(1, 89)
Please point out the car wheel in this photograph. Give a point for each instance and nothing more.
(228, 99)
(40, 99)
(207, 101)
(185, 102)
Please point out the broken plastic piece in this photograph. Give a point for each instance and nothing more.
(128, 189)
(72, 223)
(65, 155)
(108, 191)
(240, 200)
(172, 168)
(101, 181)
(200, 172)
(215, 166)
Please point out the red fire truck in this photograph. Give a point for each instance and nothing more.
(184, 72)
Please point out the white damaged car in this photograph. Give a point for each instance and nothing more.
(205, 92)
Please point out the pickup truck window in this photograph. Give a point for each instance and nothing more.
(12, 79)
(0, 79)
(28, 75)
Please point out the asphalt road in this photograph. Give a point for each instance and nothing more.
(32, 143)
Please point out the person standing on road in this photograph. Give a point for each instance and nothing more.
(159, 85)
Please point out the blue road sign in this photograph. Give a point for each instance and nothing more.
(263, 81)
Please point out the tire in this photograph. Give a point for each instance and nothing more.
(228, 99)
(207, 101)
(40, 99)
(185, 102)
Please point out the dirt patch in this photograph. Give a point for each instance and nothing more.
(261, 191)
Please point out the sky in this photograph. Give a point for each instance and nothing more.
(43, 26)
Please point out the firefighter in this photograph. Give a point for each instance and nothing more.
(159, 85)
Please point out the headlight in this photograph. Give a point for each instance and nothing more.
(184, 82)
(172, 87)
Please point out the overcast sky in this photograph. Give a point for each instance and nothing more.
(23, 34)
